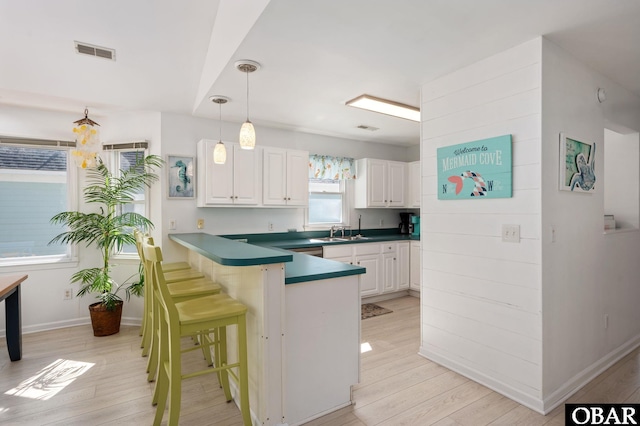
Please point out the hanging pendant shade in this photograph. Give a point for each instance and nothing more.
(247, 136)
(219, 152)
(247, 132)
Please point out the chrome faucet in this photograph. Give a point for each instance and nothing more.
(332, 232)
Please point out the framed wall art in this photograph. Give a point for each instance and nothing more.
(181, 176)
(577, 164)
(475, 170)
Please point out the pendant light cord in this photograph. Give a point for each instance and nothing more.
(220, 121)
(247, 72)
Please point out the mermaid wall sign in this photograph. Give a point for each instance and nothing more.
(181, 176)
(577, 165)
(479, 169)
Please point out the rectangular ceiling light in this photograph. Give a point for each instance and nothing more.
(384, 106)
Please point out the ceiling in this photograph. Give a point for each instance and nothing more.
(315, 54)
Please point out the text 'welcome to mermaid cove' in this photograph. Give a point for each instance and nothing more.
(478, 169)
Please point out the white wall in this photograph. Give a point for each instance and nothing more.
(527, 319)
(43, 306)
(586, 274)
(481, 310)
(180, 135)
(622, 178)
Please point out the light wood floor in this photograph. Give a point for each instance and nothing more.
(398, 386)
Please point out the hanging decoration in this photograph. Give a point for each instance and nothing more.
(247, 132)
(219, 152)
(326, 167)
(87, 142)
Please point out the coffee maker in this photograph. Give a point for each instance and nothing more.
(405, 227)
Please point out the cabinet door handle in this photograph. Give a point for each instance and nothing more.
(285, 198)
(289, 198)
(231, 197)
(394, 258)
(236, 197)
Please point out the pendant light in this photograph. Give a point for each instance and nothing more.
(247, 132)
(219, 152)
(87, 141)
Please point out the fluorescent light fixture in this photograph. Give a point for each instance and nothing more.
(384, 106)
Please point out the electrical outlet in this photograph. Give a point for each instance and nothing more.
(200, 223)
(270, 227)
(172, 225)
(606, 321)
(381, 222)
(510, 233)
(68, 294)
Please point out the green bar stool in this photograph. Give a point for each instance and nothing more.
(168, 267)
(197, 316)
(178, 291)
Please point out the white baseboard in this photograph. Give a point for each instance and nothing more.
(386, 296)
(576, 383)
(502, 388)
(47, 326)
(548, 404)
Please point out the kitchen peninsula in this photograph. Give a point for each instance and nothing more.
(303, 324)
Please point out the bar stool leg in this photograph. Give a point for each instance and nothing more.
(243, 373)
(223, 376)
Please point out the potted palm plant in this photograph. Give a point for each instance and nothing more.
(109, 231)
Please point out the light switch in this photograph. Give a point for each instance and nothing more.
(510, 233)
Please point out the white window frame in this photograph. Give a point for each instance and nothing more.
(112, 158)
(70, 257)
(345, 210)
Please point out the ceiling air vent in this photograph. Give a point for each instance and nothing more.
(91, 50)
(369, 128)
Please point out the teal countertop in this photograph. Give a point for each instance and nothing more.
(228, 252)
(291, 240)
(298, 267)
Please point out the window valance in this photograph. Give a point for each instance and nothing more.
(326, 167)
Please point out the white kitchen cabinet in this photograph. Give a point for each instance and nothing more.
(395, 257)
(285, 177)
(387, 264)
(414, 184)
(414, 266)
(370, 281)
(390, 267)
(403, 265)
(236, 182)
(380, 183)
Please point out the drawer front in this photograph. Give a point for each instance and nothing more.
(367, 248)
(388, 247)
(331, 252)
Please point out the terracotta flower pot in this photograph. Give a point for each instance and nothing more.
(105, 322)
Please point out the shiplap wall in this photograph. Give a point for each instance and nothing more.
(481, 297)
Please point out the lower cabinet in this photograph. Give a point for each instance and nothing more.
(414, 266)
(387, 264)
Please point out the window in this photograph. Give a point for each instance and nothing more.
(326, 203)
(35, 184)
(125, 157)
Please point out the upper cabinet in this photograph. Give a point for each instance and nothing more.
(380, 183)
(236, 182)
(414, 184)
(285, 177)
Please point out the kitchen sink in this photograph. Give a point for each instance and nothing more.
(337, 239)
(326, 240)
(354, 238)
